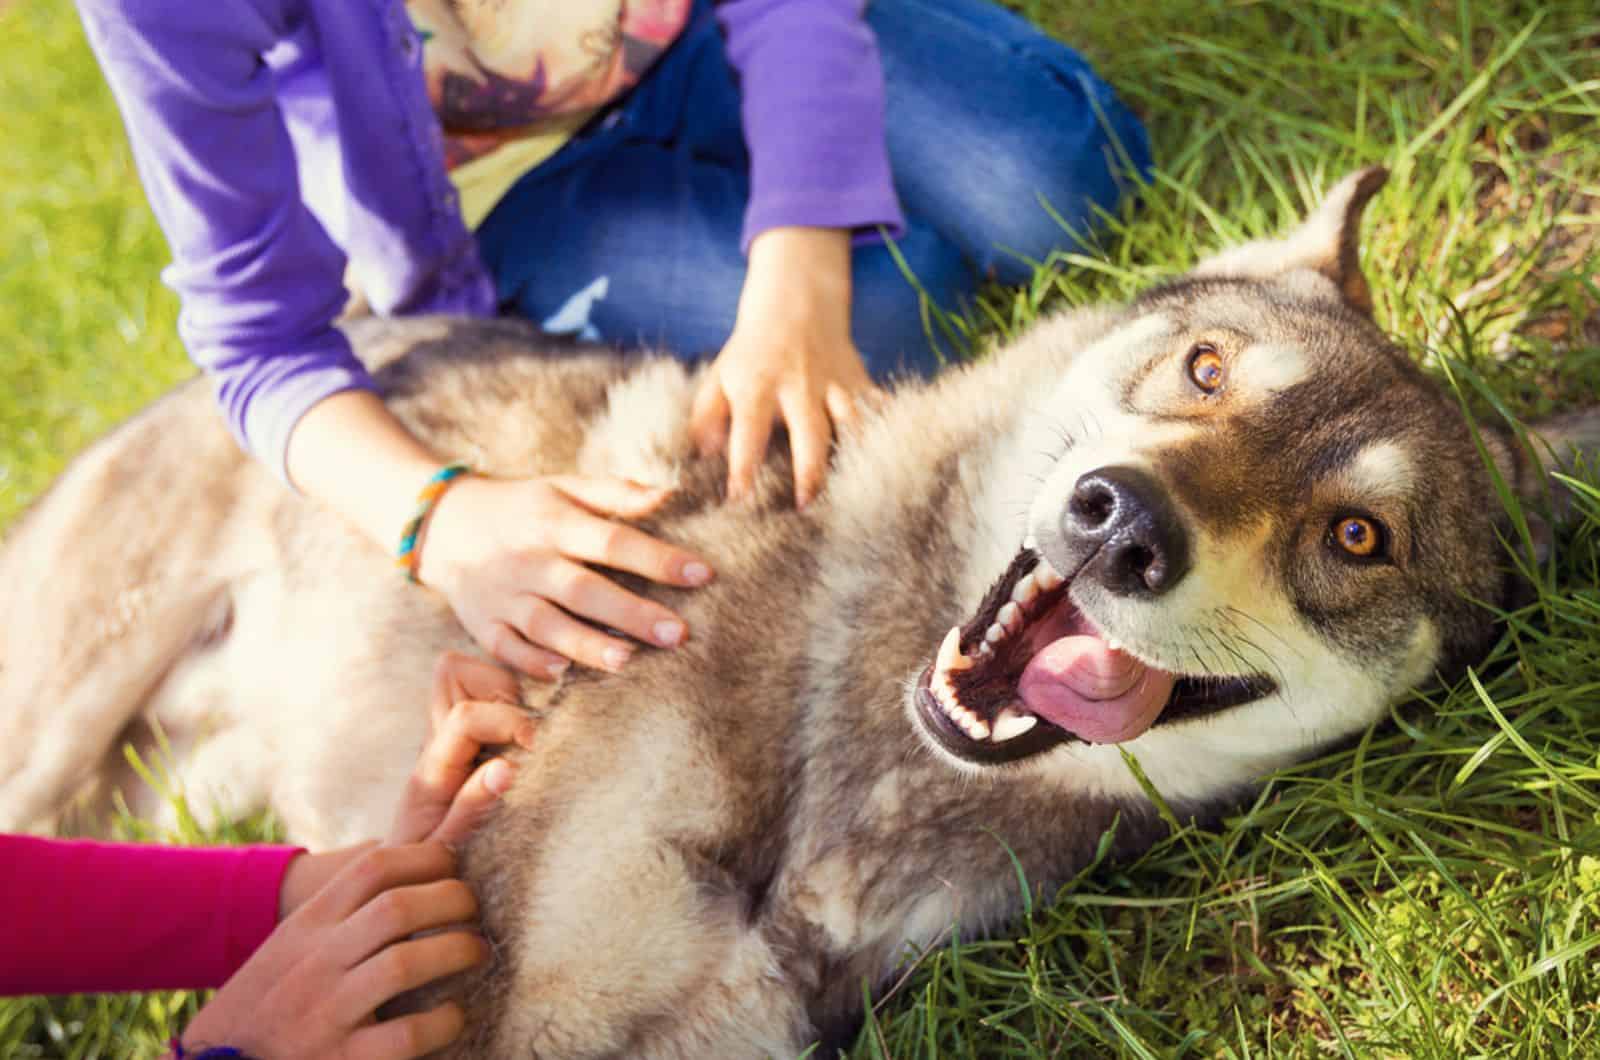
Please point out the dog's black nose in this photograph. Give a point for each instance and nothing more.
(1142, 546)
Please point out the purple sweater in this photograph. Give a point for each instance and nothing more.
(279, 140)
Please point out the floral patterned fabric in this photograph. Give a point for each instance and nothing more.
(504, 70)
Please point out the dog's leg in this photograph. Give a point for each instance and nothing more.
(108, 581)
(62, 715)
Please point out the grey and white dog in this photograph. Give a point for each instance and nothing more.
(1216, 529)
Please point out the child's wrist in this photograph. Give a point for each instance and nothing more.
(408, 556)
(798, 279)
(306, 874)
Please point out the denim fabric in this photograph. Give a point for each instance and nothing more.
(630, 234)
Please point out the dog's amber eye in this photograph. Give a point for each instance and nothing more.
(1359, 536)
(1205, 368)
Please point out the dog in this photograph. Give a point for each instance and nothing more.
(1215, 529)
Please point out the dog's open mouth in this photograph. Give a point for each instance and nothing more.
(1029, 671)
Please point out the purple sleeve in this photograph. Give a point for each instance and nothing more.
(812, 88)
(85, 917)
(259, 279)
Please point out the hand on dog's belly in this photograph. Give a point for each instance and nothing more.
(1093, 691)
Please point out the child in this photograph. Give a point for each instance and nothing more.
(631, 173)
(305, 947)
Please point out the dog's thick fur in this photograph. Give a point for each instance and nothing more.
(708, 854)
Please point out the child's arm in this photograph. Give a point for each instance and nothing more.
(260, 280)
(315, 985)
(101, 917)
(346, 947)
(85, 917)
(91, 917)
(261, 283)
(813, 116)
(450, 790)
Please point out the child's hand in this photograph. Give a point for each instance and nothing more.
(474, 703)
(314, 986)
(446, 798)
(790, 357)
(516, 559)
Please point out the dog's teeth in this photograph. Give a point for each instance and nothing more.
(1047, 576)
(1010, 617)
(964, 719)
(985, 649)
(1025, 591)
(950, 657)
(944, 692)
(994, 635)
(1009, 725)
(1113, 643)
(1031, 543)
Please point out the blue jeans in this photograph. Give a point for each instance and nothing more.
(630, 233)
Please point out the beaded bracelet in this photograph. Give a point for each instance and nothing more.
(406, 557)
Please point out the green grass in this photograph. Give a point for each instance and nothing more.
(1432, 890)
(89, 330)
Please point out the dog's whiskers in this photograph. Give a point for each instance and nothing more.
(1237, 642)
(1265, 657)
(1246, 667)
(1274, 634)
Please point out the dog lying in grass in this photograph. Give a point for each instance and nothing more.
(1213, 531)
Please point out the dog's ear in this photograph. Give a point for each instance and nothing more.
(1566, 443)
(1327, 244)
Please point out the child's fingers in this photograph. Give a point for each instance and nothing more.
(379, 870)
(709, 417)
(810, 437)
(493, 723)
(398, 913)
(508, 644)
(457, 676)
(406, 966)
(446, 764)
(747, 444)
(447, 760)
(473, 803)
(408, 1037)
(622, 498)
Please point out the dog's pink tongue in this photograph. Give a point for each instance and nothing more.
(1095, 693)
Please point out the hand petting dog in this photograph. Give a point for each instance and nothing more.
(790, 357)
(345, 943)
(474, 705)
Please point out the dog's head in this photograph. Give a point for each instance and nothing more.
(1251, 525)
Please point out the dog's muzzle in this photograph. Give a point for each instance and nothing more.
(1123, 516)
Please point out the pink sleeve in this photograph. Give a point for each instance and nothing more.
(86, 917)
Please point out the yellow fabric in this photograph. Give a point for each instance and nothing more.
(484, 181)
